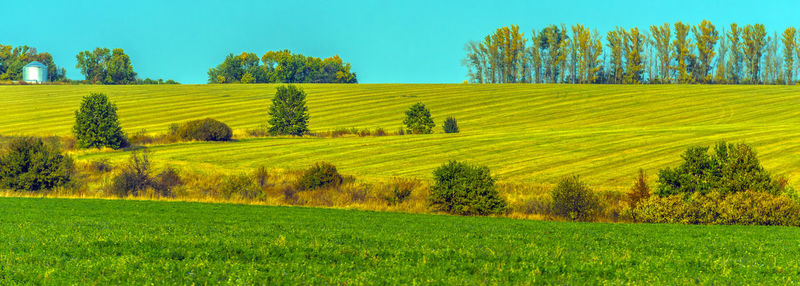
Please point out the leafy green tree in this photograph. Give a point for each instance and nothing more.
(465, 189)
(730, 169)
(418, 119)
(96, 123)
(661, 40)
(30, 164)
(93, 64)
(753, 43)
(118, 69)
(734, 65)
(288, 113)
(616, 44)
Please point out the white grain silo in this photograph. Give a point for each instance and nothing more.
(34, 72)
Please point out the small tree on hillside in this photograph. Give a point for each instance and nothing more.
(96, 123)
(288, 113)
(450, 125)
(640, 190)
(418, 119)
(465, 189)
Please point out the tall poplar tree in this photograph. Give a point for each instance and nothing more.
(706, 37)
(789, 46)
(683, 53)
(634, 64)
(661, 41)
(753, 43)
(735, 58)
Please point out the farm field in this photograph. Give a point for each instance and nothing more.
(524, 133)
(64, 241)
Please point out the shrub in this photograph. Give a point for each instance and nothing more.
(288, 113)
(418, 119)
(465, 189)
(97, 125)
(747, 208)
(165, 181)
(320, 175)
(240, 186)
(135, 176)
(261, 176)
(731, 168)
(450, 125)
(640, 190)
(101, 166)
(380, 132)
(30, 164)
(573, 200)
(205, 130)
(400, 190)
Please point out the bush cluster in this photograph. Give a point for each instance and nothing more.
(241, 186)
(573, 200)
(746, 208)
(136, 177)
(464, 189)
(205, 130)
(31, 165)
(321, 175)
(731, 168)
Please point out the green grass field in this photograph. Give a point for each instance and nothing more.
(524, 133)
(63, 241)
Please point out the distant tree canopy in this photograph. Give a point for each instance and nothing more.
(281, 67)
(669, 53)
(104, 66)
(13, 59)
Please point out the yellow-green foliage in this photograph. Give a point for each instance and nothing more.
(604, 132)
(748, 207)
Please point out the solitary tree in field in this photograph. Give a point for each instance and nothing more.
(96, 123)
(418, 119)
(288, 113)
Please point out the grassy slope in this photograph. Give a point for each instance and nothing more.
(61, 241)
(523, 132)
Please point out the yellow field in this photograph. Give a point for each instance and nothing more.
(524, 133)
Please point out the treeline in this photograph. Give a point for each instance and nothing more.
(281, 67)
(668, 53)
(105, 66)
(12, 60)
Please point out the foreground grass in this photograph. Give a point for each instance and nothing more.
(62, 241)
(524, 133)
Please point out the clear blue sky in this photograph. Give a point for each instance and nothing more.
(405, 41)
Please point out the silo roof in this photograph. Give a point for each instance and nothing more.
(35, 64)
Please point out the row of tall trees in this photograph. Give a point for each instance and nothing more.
(667, 53)
(281, 67)
(13, 59)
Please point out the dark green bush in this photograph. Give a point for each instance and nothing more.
(418, 119)
(450, 125)
(97, 125)
(573, 200)
(288, 112)
(731, 168)
(320, 175)
(465, 189)
(205, 130)
(30, 164)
